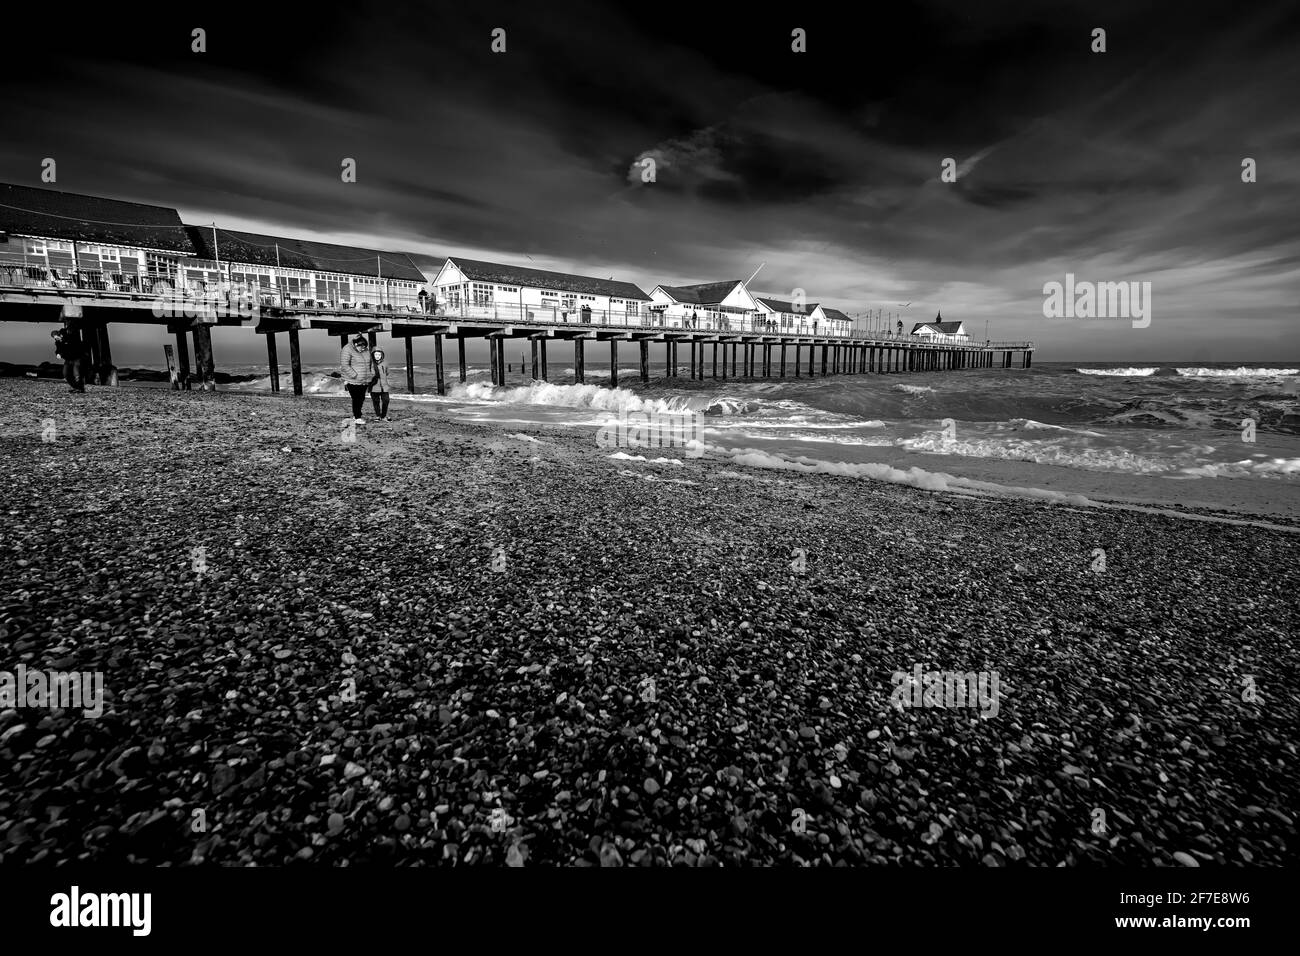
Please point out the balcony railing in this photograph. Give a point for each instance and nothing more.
(165, 290)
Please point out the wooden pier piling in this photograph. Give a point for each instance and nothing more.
(460, 352)
(272, 363)
(645, 361)
(613, 363)
(437, 362)
(410, 364)
(579, 372)
(295, 361)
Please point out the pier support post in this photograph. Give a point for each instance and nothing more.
(90, 351)
(437, 364)
(812, 357)
(613, 363)
(535, 369)
(733, 359)
(715, 360)
(825, 357)
(783, 358)
(107, 373)
(796, 360)
(544, 369)
(460, 348)
(204, 364)
(295, 361)
(670, 348)
(645, 361)
(579, 355)
(410, 364)
(272, 362)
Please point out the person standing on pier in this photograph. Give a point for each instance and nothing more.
(379, 384)
(355, 367)
(67, 346)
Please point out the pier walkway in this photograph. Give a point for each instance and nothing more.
(719, 346)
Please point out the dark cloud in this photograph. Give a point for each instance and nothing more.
(824, 165)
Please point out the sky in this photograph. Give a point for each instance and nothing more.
(820, 169)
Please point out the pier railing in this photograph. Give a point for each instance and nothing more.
(106, 284)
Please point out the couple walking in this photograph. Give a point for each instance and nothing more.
(365, 371)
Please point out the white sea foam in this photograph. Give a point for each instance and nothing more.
(568, 396)
(1123, 372)
(913, 389)
(1241, 372)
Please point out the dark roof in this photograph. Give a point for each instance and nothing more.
(251, 248)
(27, 211)
(780, 306)
(944, 328)
(836, 314)
(704, 293)
(475, 270)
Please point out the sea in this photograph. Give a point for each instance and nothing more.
(1223, 436)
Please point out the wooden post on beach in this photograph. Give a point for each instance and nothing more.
(437, 364)
(410, 364)
(782, 358)
(733, 359)
(796, 358)
(670, 357)
(645, 360)
(579, 372)
(825, 357)
(272, 363)
(494, 360)
(544, 372)
(295, 361)
(535, 370)
(715, 359)
(204, 364)
(460, 352)
(613, 363)
(107, 373)
(370, 337)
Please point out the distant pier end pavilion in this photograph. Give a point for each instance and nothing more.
(89, 261)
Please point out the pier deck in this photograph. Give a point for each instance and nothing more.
(88, 304)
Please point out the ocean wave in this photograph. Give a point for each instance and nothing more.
(598, 397)
(1241, 372)
(1122, 372)
(913, 389)
(915, 477)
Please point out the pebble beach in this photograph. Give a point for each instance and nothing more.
(454, 644)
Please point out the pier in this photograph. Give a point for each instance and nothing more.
(89, 302)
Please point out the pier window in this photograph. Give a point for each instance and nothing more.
(481, 294)
(632, 308)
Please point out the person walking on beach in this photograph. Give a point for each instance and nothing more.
(355, 367)
(67, 346)
(379, 384)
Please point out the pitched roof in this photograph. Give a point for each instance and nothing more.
(703, 293)
(944, 328)
(254, 249)
(28, 211)
(478, 271)
(836, 314)
(777, 305)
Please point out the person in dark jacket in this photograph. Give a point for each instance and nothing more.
(355, 367)
(67, 346)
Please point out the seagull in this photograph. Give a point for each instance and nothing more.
(904, 305)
